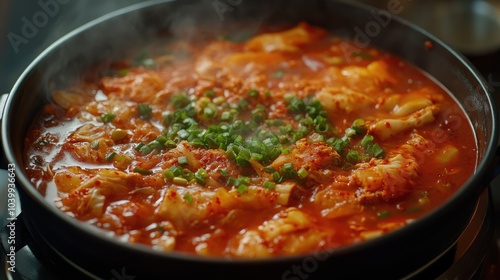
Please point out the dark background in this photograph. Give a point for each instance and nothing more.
(65, 15)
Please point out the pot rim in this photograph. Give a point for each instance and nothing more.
(94, 232)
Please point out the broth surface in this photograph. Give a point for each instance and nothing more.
(286, 143)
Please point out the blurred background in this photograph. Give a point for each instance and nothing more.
(27, 27)
(470, 26)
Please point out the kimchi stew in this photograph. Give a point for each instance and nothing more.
(286, 143)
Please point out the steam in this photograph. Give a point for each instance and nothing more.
(189, 20)
(134, 26)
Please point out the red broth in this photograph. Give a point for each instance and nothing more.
(284, 144)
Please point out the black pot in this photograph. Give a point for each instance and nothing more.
(393, 255)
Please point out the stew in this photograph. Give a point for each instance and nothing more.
(287, 142)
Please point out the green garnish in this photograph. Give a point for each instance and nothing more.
(268, 185)
(142, 171)
(144, 111)
(352, 156)
(302, 173)
(200, 176)
(107, 117)
(179, 100)
(358, 125)
(188, 197)
(377, 151)
(182, 160)
(367, 141)
(224, 172)
(253, 93)
(242, 189)
(110, 156)
(210, 93)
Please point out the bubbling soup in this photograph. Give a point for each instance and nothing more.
(286, 143)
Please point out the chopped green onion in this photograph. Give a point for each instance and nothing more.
(242, 189)
(155, 144)
(179, 100)
(243, 180)
(188, 197)
(287, 171)
(377, 151)
(269, 169)
(170, 144)
(145, 149)
(295, 105)
(110, 156)
(231, 181)
(231, 154)
(161, 139)
(225, 116)
(219, 100)
(302, 173)
(256, 156)
(269, 185)
(277, 177)
(367, 141)
(177, 171)
(243, 104)
(275, 122)
(183, 134)
(350, 132)
(210, 93)
(340, 144)
(253, 93)
(352, 156)
(244, 154)
(182, 160)
(142, 171)
(224, 172)
(108, 117)
(285, 151)
(169, 174)
(200, 176)
(144, 111)
(210, 112)
(288, 166)
(359, 126)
